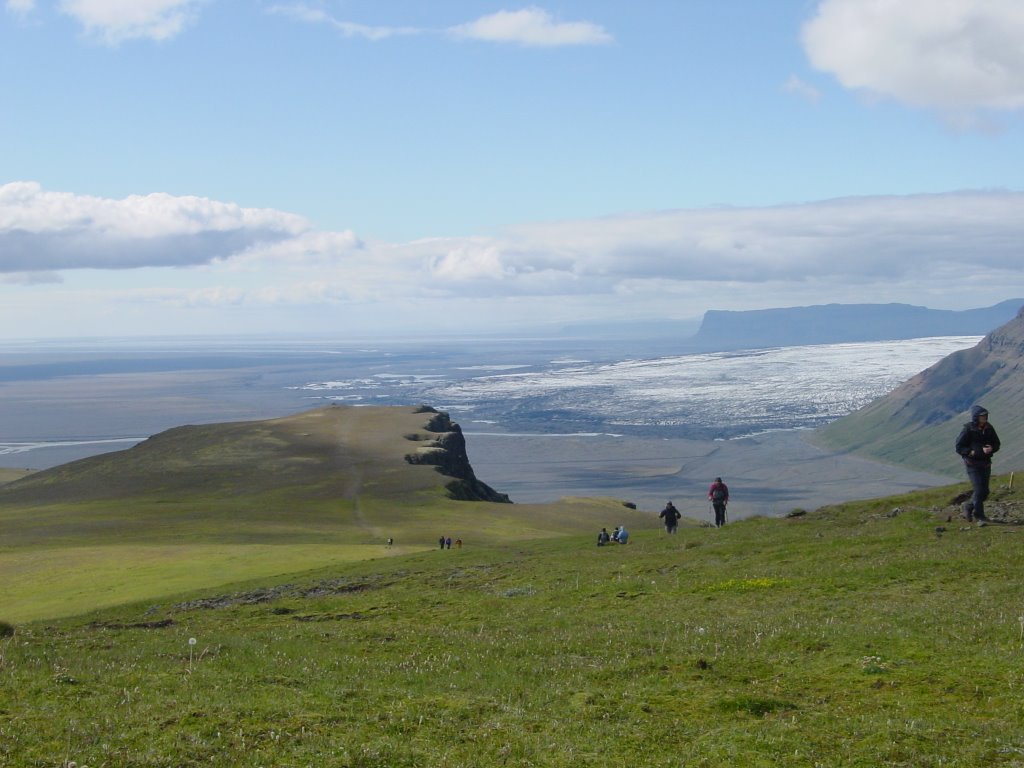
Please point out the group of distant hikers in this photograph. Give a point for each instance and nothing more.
(619, 536)
(718, 495)
(976, 444)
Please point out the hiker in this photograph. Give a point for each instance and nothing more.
(603, 537)
(671, 515)
(976, 444)
(441, 542)
(615, 535)
(391, 542)
(718, 495)
(448, 543)
(458, 543)
(623, 535)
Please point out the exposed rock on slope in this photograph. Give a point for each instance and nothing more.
(916, 423)
(445, 449)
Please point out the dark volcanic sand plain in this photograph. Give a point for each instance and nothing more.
(771, 474)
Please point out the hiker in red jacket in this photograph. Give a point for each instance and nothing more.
(718, 495)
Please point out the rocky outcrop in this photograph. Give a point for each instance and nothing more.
(443, 446)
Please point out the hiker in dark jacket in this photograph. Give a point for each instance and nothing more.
(671, 516)
(976, 444)
(718, 495)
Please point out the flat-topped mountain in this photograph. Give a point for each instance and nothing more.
(338, 451)
(917, 423)
(840, 323)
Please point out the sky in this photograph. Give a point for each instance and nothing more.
(426, 167)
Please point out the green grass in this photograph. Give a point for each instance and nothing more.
(848, 637)
(10, 475)
(61, 560)
(205, 506)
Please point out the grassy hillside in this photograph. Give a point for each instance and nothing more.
(10, 475)
(869, 634)
(916, 424)
(201, 506)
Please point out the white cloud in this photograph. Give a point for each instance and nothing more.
(802, 89)
(960, 248)
(951, 55)
(20, 6)
(531, 27)
(305, 13)
(898, 243)
(45, 231)
(116, 21)
(528, 27)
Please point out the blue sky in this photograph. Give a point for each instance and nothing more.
(365, 168)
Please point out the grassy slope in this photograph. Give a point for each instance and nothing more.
(876, 432)
(202, 506)
(8, 475)
(916, 424)
(851, 637)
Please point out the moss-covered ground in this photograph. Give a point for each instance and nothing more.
(871, 634)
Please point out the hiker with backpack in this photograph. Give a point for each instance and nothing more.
(976, 443)
(718, 495)
(671, 516)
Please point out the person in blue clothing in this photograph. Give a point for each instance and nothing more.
(976, 443)
(623, 535)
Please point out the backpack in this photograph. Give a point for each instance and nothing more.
(718, 494)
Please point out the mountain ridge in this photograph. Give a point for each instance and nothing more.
(916, 424)
(839, 323)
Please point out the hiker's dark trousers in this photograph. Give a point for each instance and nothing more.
(979, 477)
(719, 513)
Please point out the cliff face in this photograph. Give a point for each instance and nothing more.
(916, 423)
(444, 448)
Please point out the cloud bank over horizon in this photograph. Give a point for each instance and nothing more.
(899, 248)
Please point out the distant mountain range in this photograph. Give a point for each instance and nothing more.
(916, 424)
(838, 323)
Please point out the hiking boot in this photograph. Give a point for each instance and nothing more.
(967, 508)
(981, 522)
